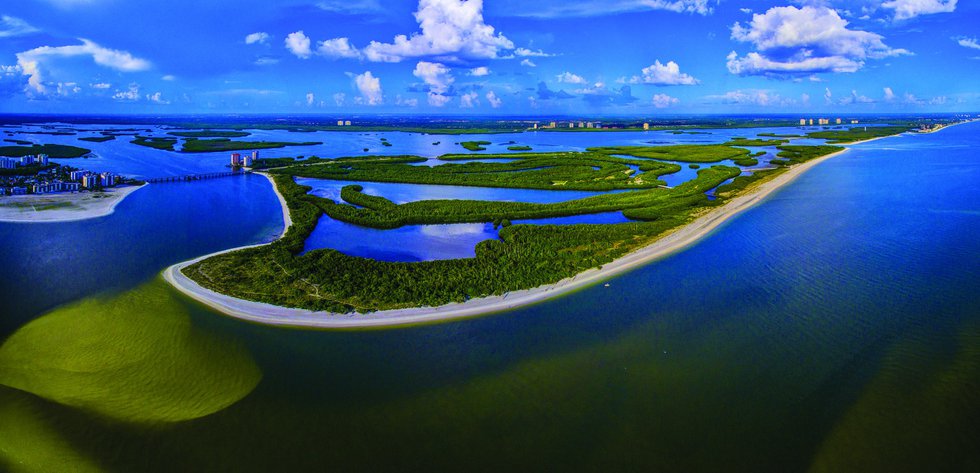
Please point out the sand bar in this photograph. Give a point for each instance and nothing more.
(62, 207)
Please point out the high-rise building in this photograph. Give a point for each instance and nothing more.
(41, 159)
(347, 123)
(340, 123)
(107, 179)
(90, 181)
(803, 122)
(236, 160)
(7, 163)
(646, 127)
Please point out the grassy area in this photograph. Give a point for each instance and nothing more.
(475, 145)
(53, 151)
(20, 142)
(224, 144)
(748, 142)
(681, 153)
(519, 148)
(778, 135)
(524, 257)
(98, 139)
(165, 144)
(857, 133)
(210, 134)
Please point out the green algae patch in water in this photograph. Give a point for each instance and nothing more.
(29, 445)
(135, 357)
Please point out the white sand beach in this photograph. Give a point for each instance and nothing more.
(62, 207)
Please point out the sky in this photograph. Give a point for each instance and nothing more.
(492, 57)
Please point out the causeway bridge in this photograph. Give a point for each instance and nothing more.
(197, 177)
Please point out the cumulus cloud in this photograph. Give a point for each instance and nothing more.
(101, 85)
(439, 79)
(260, 38)
(350, 7)
(664, 74)
(403, 102)
(480, 71)
(494, 101)
(524, 52)
(131, 95)
(761, 98)
(298, 44)
(68, 88)
(855, 98)
(569, 78)
(339, 98)
(370, 89)
(31, 61)
(967, 42)
(451, 29)
(528, 63)
(310, 99)
(544, 93)
(468, 100)
(157, 98)
(797, 41)
(907, 9)
(337, 48)
(664, 101)
(889, 94)
(12, 26)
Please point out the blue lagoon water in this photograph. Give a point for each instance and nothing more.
(834, 327)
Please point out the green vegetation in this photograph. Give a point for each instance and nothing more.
(680, 153)
(777, 135)
(748, 142)
(694, 166)
(519, 148)
(792, 155)
(98, 139)
(857, 133)
(224, 144)
(525, 256)
(20, 142)
(210, 134)
(746, 162)
(475, 145)
(135, 357)
(53, 151)
(575, 171)
(165, 144)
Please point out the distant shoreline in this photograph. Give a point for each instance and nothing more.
(79, 206)
(675, 241)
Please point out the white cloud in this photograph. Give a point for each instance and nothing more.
(260, 38)
(807, 40)
(310, 99)
(101, 85)
(157, 98)
(339, 98)
(855, 98)
(370, 89)
(11, 26)
(664, 74)
(528, 63)
(298, 44)
(132, 94)
(169, 78)
(664, 101)
(569, 78)
(449, 28)
(889, 94)
(31, 61)
(762, 98)
(968, 42)
(524, 52)
(337, 48)
(494, 101)
(403, 102)
(828, 96)
(941, 100)
(266, 61)
(439, 79)
(480, 71)
(468, 100)
(565, 8)
(907, 9)
(68, 88)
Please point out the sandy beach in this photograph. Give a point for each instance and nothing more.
(62, 207)
(671, 243)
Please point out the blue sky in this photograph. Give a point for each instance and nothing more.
(508, 57)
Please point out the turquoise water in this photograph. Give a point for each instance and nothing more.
(835, 327)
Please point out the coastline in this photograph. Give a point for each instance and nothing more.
(676, 241)
(80, 206)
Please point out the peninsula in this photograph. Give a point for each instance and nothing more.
(278, 284)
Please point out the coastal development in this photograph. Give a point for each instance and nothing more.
(36, 175)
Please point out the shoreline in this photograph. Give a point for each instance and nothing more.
(90, 209)
(677, 240)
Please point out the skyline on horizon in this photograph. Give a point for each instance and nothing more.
(498, 58)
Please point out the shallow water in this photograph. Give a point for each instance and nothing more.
(832, 328)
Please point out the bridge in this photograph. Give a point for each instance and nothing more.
(197, 177)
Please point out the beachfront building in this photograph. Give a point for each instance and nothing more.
(236, 160)
(646, 127)
(107, 179)
(340, 123)
(854, 122)
(7, 163)
(90, 181)
(347, 123)
(803, 122)
(18, 191)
